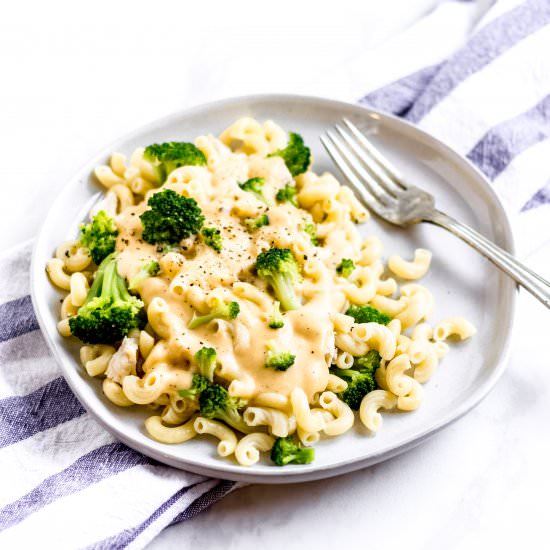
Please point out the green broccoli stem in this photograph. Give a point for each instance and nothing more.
(275, 320)
(234, 419)
(284, 290)
(149, 269)
(347, 372)
(97, 286)
(262, 198)
(198, 385)
(110, 287)
(98, 281)
(121, 289)
(206, 359)
(202, 319)
(207, 369)
(109, 282)
(220, 310)
(191, 393)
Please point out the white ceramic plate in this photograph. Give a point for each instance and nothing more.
(463, 283)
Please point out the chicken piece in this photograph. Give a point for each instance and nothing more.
(124, 360)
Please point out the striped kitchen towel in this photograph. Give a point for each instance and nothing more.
(490, 101)
(66, 483)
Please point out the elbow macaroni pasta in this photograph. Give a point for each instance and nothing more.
(453, 326)
(248, 449)
(304, 417)
(411, 270)
(154, 365)
(371, 404)
(343, 416)
(227, 437)
(95, 359)
(170, 434)
(278, 422)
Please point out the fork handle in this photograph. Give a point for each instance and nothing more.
(535, 284)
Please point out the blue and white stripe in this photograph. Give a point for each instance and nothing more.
(69, 480)
(490, 101)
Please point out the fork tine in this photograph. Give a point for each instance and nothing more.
(368, 199)
(372, 166)
(361, 188)
(382, 161)
(365, 177)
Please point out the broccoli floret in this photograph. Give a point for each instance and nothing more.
(277, 359)
(110, 311)
(166, 157)
(255, 223)
(99, 236)
(278, 267)
(359, 384)
(361, 378)
(200, 383)
(149, 269)
(345, 267)
(368, 362)
(285, 451)
(212, 237)
(276, 319)
(164, 248)
(368, 314)
(256, 187)
(220, 310)
(287, 194)
(170, 218)
(206, 359)
(311, 230)
(296, 155)
(215, 402)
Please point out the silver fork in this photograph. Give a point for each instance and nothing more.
(386, 193)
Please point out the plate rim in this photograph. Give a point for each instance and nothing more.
(294, 474)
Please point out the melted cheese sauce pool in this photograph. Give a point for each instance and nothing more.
(195, 272)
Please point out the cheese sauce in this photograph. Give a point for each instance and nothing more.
(240, 344)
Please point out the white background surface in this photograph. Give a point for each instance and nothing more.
(75, 76)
